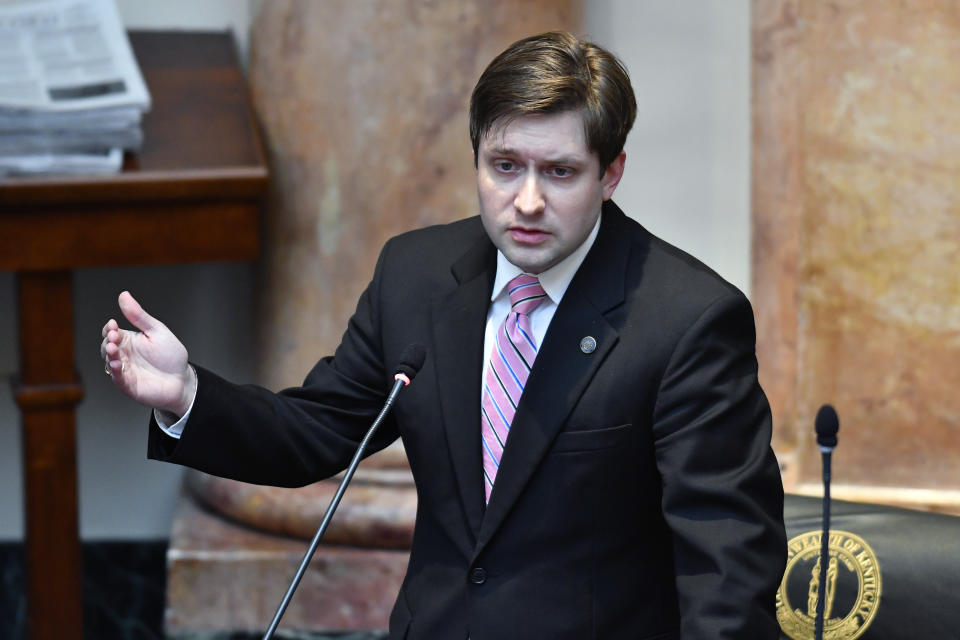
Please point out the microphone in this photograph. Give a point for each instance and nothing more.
(411, 360)
(826, 425)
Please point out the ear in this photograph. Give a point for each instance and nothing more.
(611, 176)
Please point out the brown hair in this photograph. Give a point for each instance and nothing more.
(554, 72)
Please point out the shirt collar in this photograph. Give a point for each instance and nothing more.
(554, 280)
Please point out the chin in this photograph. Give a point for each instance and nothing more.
(530, 259)
(531, 265)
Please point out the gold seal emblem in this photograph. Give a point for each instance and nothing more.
(851, 594)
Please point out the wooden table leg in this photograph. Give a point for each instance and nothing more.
(47, 392)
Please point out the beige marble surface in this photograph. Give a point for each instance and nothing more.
(377, 510)
(224, 577)
(364, 110)
(857, 235)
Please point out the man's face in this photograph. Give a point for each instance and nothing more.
(539, 189)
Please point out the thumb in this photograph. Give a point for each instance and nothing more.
(135, 314)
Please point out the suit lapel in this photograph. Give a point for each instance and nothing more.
(562, 370)
(459, 319)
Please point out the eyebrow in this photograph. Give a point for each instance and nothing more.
(506, 151)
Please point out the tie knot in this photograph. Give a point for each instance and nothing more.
(526, 294)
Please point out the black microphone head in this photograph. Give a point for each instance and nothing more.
(411, 359)
(827, 424)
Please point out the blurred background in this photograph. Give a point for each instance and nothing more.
(687, 179)
(807, 151)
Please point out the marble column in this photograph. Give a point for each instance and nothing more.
(363, 107)
(856, 219)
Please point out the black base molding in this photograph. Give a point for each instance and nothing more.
(123, 590)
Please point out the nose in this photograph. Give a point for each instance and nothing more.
(529, 199)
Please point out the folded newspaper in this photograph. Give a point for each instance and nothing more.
(71, 93)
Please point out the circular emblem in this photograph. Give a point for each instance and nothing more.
(588, 344)
(851, 594)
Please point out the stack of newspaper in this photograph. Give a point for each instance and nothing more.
(71, 93)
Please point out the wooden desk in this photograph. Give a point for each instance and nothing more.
(192, 194)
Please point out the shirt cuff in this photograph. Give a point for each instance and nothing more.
(168, 422)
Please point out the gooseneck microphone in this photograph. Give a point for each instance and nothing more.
(411, 360)
(826, 425)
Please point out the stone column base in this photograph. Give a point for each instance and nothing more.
(225, 577)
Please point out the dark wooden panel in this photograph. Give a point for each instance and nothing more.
(123, 234)
(48, 392)
(45, 300)
(201, 116)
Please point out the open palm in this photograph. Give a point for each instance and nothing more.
(149, 365)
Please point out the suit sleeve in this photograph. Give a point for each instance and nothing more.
(299, 435)
(722, 492)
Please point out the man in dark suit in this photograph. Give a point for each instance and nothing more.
(590, 445)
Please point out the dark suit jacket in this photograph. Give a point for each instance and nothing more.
(638, 496)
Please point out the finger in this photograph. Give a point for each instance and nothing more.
(116, 364)
(133, 312)
(111, 324)
(117, 372)
(115, 336)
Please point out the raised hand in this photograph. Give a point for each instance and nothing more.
(149, 365)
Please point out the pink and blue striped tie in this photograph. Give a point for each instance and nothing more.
(511, 359)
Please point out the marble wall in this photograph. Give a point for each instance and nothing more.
(856, 218)
(364, 107)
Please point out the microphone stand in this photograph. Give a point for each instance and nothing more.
(401, 380)
(824, 544)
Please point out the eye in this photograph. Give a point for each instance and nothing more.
(505, 166)
(561, 172)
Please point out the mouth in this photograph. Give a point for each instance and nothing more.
(528, 235)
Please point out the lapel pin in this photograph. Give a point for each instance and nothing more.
(588, 344)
